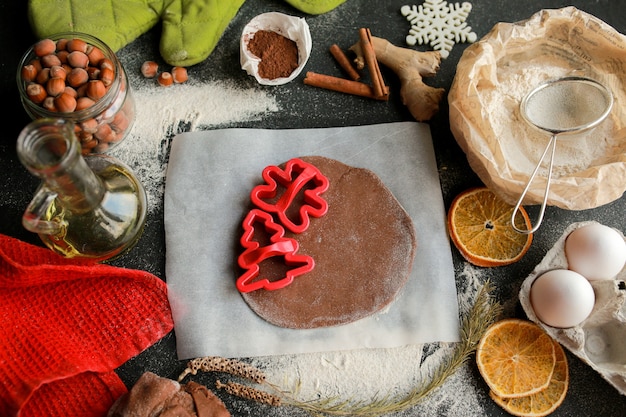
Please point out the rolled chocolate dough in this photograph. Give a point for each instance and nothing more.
(363, 250)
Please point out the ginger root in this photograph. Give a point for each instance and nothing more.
(410, 66)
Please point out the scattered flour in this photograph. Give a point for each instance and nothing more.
(161, 113)
(362, 375)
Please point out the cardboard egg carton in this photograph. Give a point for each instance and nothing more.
(600, 339)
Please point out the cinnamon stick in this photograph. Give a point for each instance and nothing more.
(344, 62)
(343, 85)
(411, 67)
(371, 62)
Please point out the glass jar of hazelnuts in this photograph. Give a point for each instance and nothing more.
(77, 77)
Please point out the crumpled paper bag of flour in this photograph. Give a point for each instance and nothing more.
(493, 76)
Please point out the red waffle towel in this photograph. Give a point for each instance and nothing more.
(65, 325)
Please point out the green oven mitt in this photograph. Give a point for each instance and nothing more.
(315, 6)
(191, 28)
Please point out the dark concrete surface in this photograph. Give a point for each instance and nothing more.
(589, 394)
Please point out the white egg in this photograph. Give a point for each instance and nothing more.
(595, 251)
(562, 298)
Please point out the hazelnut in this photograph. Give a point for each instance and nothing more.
(36, 63)
(88, 143)
(149, 69)
(120, 122)
(179, 74)
(107, 76)
(95, 90)
(76, 44)
(36, 93)
(44, 47)
(55, 86)
(58, 72)
(93, 72)
(165, 79)
(105, 133)
(65, 103)
(50, 60)
(62, 44)
(71, 75)
(81, 90)
(48, 104)
(29, 73)
(43, 76)
(62, 55)
(107, 63)
(78, 59)
(95, 55)
(83, 103)
(82, 135)
(77, 77)
(69, 90)
(89, 125)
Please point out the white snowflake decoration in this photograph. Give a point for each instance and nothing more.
(439, 24)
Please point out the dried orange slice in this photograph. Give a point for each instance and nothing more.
(516, 358)
(546, 401)
(479, 224)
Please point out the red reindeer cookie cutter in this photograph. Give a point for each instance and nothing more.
(254, 254)
(294, 178)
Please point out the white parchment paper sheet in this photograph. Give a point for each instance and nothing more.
(209, 178)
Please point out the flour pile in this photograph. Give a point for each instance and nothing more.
(367, 374)
(161, 113)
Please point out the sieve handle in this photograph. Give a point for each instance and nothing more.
(552, 146)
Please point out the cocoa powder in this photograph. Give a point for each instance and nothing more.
(278, 54)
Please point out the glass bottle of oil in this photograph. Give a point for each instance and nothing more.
(86, 206)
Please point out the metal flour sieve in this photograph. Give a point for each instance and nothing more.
(564, 106)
